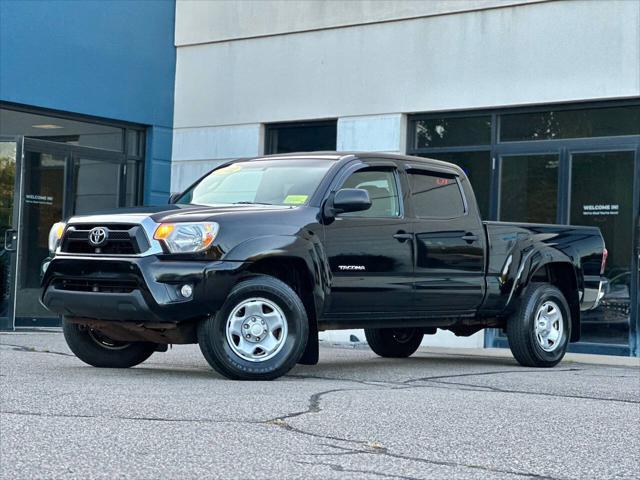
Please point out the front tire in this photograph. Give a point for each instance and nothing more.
(98, 350)
(539, 330)
(394, 342)
(260, 332)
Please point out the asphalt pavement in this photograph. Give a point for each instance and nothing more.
(440, 414)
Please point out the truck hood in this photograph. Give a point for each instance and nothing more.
(174, 213)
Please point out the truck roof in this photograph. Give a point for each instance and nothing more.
(347, 155)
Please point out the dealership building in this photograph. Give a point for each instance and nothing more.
(120, 103)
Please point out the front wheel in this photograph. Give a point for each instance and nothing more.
(394, 342)
(96, 349)
(260, 332)
(540, 329)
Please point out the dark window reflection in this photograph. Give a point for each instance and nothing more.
(7, 183)
(477, 166)
(605, 200)
(43, 202)
(529, 188)
(549, 125)
(450, 132)
(302, 137)
(95, 186)
(435, 196)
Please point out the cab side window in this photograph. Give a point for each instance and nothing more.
(383, 192)
(435, 195)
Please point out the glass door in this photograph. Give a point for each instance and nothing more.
(57, 181)
(529, 188)
(601, 195)
(10, 152)
(44, 172)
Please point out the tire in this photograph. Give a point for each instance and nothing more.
(528, 345)
(98, 350)
(260, 302)
(394, 342)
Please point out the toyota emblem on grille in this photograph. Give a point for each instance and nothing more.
(98, 236)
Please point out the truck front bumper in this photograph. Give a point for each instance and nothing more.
(136, 289)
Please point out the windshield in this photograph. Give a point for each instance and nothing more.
(270, 182)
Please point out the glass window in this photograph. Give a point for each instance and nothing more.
(272, 182)
(302, 137)
(477, 167)
(383, 192)
(550, 125)
(435, 195)
(134, 148)
(7, 186)
(95, 185)
(451, 132)
(56, 129)
(529, 188)
(602, 196)
(132, 181)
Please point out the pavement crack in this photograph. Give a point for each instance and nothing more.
(489, 388)
(493, 372)
(339, 468)
(444, 463)
(123, 417)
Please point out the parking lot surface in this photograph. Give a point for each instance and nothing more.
(435, 415)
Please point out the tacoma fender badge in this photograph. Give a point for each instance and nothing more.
(351, 267)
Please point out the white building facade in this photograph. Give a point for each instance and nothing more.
(533, 91)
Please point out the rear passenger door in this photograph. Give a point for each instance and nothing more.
(449, 262)
(371, 252)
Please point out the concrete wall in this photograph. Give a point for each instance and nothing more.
(543, 52)
(108, 59)
(223, 20)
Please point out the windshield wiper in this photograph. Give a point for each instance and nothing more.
(251, 203)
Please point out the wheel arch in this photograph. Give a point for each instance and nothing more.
(298, 262)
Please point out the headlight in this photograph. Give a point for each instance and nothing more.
(186, 237)
(55, 234)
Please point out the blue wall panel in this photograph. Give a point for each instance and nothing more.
(111, 59)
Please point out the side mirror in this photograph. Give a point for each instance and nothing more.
(174, 196)
(350, 200)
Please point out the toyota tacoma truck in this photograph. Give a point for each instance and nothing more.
(260, 254)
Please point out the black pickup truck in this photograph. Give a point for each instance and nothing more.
(260, 254)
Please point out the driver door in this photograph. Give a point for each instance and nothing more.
(371, 252)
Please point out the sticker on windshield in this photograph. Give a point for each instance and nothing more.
(227, 170)
(295, 199)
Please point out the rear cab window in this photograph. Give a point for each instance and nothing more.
(435, 195)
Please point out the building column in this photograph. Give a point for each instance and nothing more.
(379, 133)
(198, 150)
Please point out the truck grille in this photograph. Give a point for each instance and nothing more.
(97, 286)
(122, 239)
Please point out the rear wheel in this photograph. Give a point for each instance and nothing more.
(97, 349)
(394, 342)
(260, 332)
(540, 329)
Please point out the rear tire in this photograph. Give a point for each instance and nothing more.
(539, 330)
(98, 350)
(260, 332)
(394, 342)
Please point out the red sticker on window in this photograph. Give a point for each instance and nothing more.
(442, 181)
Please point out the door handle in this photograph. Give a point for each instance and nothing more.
(10, 243)
(469, 237)
(403, 236)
